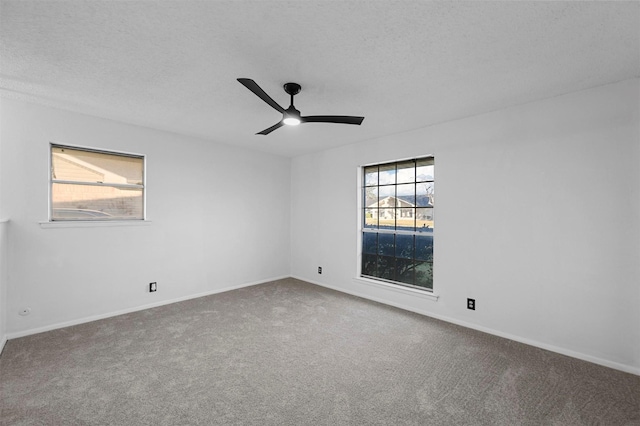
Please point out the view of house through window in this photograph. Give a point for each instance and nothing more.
(96, 185)
(397, 222)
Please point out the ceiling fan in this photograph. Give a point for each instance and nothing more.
(291, 116)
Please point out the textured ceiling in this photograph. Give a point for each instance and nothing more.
(172, 65)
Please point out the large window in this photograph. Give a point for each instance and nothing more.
(89, 184)
(397, 222)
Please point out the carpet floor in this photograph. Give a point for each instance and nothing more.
(292, 353)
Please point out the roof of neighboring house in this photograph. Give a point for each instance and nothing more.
(401, 201)
(392, 201)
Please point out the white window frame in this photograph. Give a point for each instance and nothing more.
(95, 222)
(395, 285)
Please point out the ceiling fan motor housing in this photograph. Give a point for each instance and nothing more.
(292, 88)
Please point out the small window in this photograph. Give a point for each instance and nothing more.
(397, 222)
(88, 184)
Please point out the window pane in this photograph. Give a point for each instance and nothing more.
(387, 174)
(88, 166)
(371, 176)
(386, 218)
(405, 219)
(369, 264)
(425, 194)
(424, 170)
(424, 247)
(370, 196)
(404, 246)
(406, 195)
(406, 172)
(386, 267)
(91, 202)
(405, 271)
(424, 219)
(387, 195)
(371, 218)
(370, 242)
(386, 246)
(424, 274)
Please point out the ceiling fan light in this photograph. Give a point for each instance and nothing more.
(291, 121)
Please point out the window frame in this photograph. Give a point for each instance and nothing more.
(52, 181)
(362, 229)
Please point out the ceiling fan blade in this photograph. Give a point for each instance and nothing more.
(253, 86)
(271, 129)
(343, 119)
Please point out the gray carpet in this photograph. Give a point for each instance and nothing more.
(291, 353)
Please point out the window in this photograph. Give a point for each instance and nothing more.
(397, 222)
(88, 184)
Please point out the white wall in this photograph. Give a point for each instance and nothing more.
(537, 218)
(3, 268)
(219, 219)
(3, 283)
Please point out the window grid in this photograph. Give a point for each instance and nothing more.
(397, 222)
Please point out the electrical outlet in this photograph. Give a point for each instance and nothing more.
(153, 287)
(471, 304)
(320, 269)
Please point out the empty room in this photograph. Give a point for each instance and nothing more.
(224, 212)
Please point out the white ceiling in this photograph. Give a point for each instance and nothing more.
(172, 65)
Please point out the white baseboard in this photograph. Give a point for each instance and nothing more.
(526, 341)
(3, 341)
(130, 310)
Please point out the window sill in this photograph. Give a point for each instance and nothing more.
(93, 224)
(399, 289)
